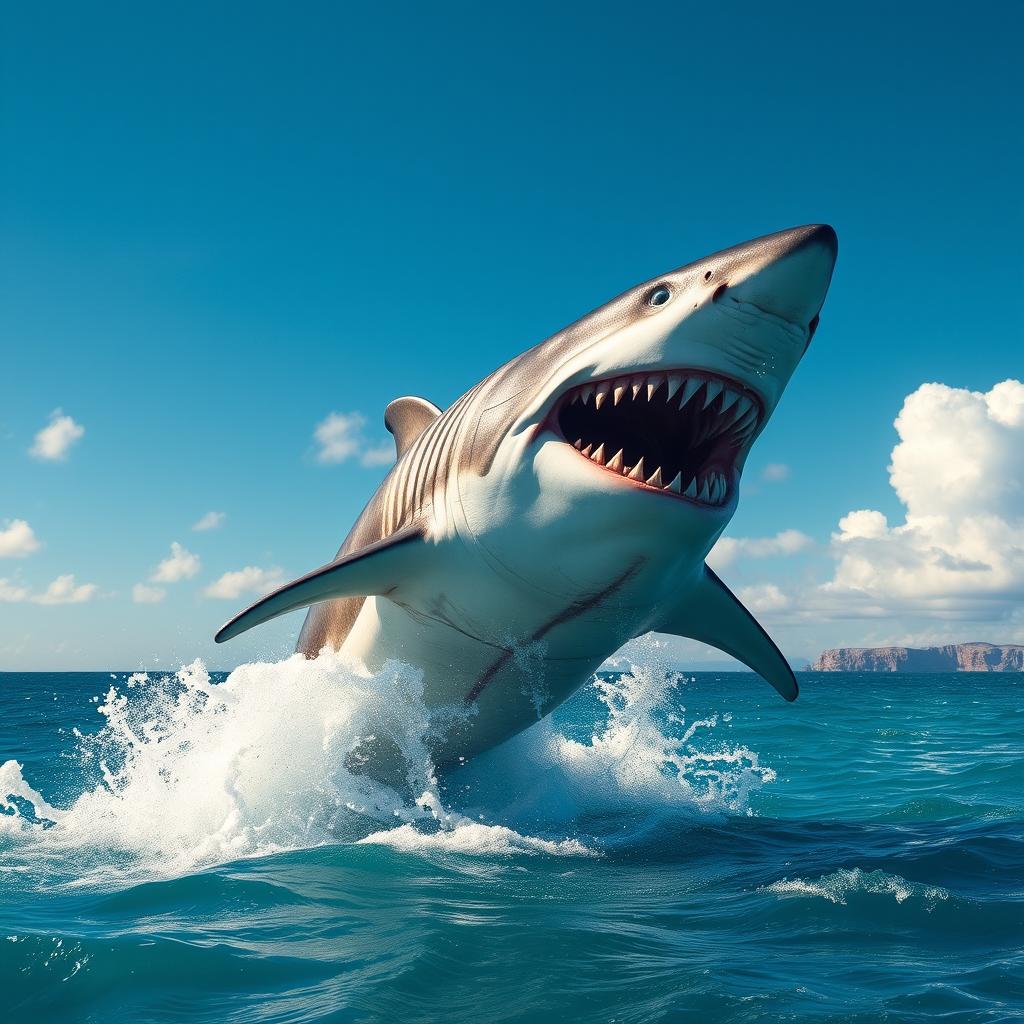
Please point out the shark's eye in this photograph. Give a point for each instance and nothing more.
(659, 296)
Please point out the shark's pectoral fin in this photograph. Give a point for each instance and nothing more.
(375, 569)
(407, 418)
(712, 614)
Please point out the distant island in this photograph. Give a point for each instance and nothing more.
(976, 657)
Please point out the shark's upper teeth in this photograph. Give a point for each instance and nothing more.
(707, 432)
(637, 472)
(689, 390)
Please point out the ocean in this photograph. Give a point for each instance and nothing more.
(666, 847)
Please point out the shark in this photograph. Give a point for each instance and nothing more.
(566, 504)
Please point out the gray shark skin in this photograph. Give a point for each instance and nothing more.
(566, 504)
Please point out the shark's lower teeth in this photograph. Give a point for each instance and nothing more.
(677, 432)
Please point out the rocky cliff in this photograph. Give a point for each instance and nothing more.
(950, 658)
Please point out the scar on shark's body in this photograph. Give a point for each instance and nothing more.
(573, 611)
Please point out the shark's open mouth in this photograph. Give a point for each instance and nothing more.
(679, 432)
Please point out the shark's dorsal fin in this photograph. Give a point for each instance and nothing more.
(712, 614)
(375, 569)
(407, 418)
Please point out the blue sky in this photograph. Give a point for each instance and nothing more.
(219, 226)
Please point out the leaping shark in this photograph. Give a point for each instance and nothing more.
(565, 504)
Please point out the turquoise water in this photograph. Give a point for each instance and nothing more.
(666, 849)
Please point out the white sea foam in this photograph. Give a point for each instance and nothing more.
(476, 839)
(188, 773)
(839, 885)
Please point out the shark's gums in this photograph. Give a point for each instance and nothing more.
(565, 505)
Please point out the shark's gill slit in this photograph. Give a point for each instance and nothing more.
(680, 433)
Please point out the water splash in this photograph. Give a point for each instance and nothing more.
(188, 773)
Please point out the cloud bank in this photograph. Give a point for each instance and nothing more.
(959, 471)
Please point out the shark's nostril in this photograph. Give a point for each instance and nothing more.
(707, 275)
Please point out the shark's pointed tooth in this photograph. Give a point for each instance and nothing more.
(702, 494)
(601, 393)
(715, 491)
(578, 443)
(691, 388)
(585, 392)
(731, 398)
(637, 385)
(615, 462)
(714, 390)
(743, 406)
(637, 472)
(691, 490)
(598, 455)
(677, 483)
(619, 391)
(655, 478)
(744, 425)
(675, 382)
(588, 450)
(653, 383)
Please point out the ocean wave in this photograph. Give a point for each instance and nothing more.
(838, 886)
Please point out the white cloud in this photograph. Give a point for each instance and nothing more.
(863, 524)
(959, 471)
(763, 597)
(54, 440)
(64, 590)
(209, 522)
(775, 472)
(180, 565)
(786, 542)
(12, 593)
(143, 594)
(382, 454)
(17, 540)
(339, 437)
(250, 580)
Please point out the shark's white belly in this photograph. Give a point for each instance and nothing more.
(497, 673)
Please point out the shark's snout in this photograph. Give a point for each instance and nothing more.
(786, 275)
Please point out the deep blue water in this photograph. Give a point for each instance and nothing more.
(665, 851)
